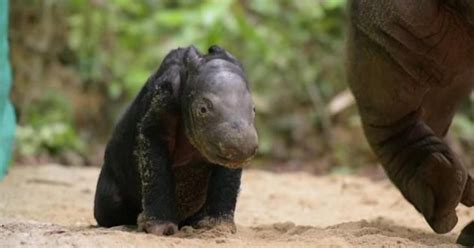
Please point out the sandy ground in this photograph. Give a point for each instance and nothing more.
(51, 206)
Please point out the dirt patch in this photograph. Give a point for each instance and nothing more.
(51, 206)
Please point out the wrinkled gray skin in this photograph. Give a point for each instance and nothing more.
(410, 64)
(218, 112)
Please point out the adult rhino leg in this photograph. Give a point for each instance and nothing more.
(440, 106)
(390, 72)
(464, 7)
(466, 238)
(440, 103)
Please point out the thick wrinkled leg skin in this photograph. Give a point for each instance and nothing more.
(110, 209)
(466, 238)
(423, 167)
(407, 89)
(218, 211)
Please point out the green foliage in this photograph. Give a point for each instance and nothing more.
(284, 45)
(49, 128)
(292, 51)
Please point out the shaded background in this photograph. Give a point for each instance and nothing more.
(78, 63)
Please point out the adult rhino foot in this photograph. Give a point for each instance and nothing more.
(439, 184)
(427, 173)
(443, 181)
(466, 238)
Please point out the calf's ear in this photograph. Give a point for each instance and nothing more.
(193, 59)
(215, 49)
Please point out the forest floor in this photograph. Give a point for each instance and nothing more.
(51, 206)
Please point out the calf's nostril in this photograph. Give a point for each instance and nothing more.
(235, 125)
(239, 154)
(230, 153)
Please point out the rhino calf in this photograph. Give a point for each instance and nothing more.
(176, 154)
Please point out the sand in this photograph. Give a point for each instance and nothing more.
(51, 206)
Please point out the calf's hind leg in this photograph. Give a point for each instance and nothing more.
(110, 207)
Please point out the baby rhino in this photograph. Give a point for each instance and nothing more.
(175, 157)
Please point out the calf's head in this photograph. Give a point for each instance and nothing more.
(218, 110)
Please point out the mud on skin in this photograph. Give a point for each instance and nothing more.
(410, 64)
(175, 156)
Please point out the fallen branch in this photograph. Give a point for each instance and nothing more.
(340, 102)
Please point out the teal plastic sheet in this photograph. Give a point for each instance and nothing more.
(7, 115)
